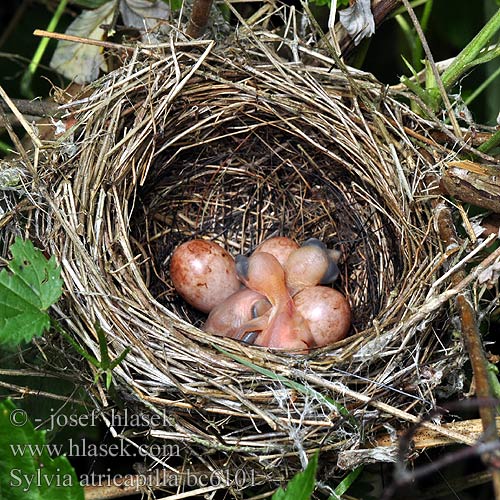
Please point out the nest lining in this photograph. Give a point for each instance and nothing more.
(199, 144)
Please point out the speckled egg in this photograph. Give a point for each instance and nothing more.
(326, 311)
(203, 273)
(279, 247)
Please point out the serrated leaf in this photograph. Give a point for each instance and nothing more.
(27, 289)
(81, 62)
(27, 469)
(41, 275)
(302, 485)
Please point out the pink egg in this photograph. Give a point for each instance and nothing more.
(280, 247)
(203, 273)
(326, 311)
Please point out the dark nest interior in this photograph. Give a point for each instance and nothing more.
(236, 146)
(241, 189)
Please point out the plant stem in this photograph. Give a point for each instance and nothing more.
(483, 86)
(471, 51)
(42, 46)
(492, 142)
(199, 18)
(417, 46)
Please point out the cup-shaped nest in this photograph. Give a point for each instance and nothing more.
(199, 144)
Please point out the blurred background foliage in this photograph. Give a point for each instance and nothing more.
(451, 25)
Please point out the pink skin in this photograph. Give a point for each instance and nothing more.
(326, 311)
(308, 266)
(203, 273)
(239, 309)
(285, 328)
(279, 246)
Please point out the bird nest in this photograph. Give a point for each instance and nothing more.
(236, 146)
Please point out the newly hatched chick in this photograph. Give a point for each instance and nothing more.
(284, 328)
(310, 265)
(239, 309)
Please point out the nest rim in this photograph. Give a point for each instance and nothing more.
(114, 293)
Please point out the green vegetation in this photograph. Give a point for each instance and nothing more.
(28, 287)
(27, 469)
(302, 485)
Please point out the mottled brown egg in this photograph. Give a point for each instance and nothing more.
(326, 311)
(279, 247)
(203, 273)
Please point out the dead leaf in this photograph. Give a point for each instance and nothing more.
(490, 275)
(81, 62)
(144, 15)
(358, 20)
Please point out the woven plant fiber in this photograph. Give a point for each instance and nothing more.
(235, 146)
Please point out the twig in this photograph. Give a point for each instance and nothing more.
(90, 41)
(27, 127)
(12, 120)
(32, 108)
(132, 484)
(199, 18)
(424, 439)
(27, 391)
(470, 333)
(435, 72)
(339, 388)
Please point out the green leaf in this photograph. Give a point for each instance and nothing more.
(174, 4)
(346, 483)
(27, 469)
(302, 485)
(40, 274)
(29, 286)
